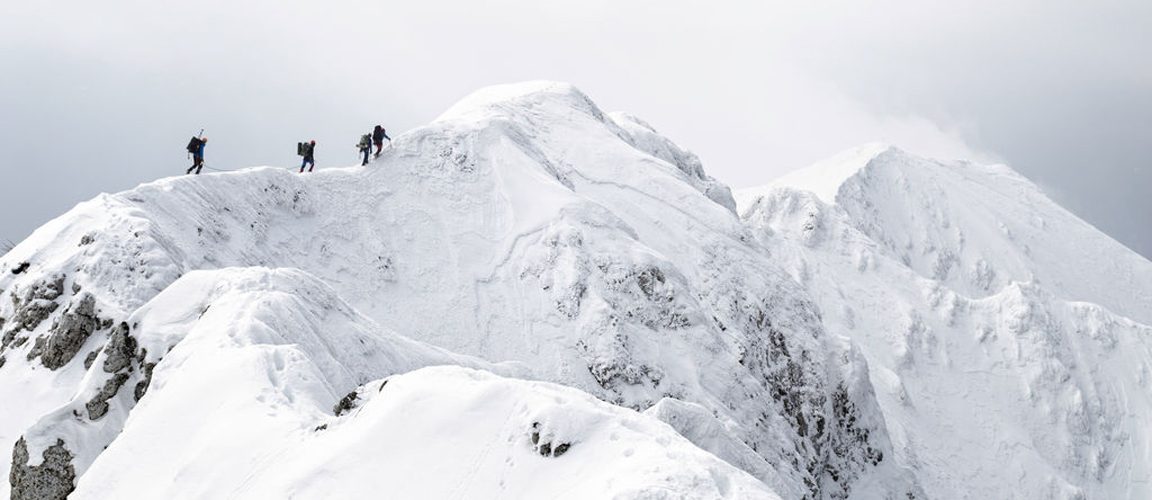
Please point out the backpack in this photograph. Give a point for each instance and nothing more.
(194, 145)
(299, 149)
(365, 140)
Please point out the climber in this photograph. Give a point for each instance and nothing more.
(378, 136)
(307, 150)
(365, 146)
(196, 147)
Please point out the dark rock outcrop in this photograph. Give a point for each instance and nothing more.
(34, 305)
(346, 404)
(98, 405)
(68, 334)
(142, 386)
(53, 479)
(545, 447)
(120, 350)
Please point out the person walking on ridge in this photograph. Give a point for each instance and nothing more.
(378, 136)
(365, 146)
(307, 150)
(196, 147)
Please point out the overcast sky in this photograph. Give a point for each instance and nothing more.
(100, 96)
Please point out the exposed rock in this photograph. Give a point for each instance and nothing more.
(53, 479)
(547, 448)
(98, 405)
(91, 358)
(833, 448)
(68, 334)
(35, 304)
(2, 361)
(142, 386)
(611, 363)
(645, 295)
(23, 266)
(347, 403)
(853, 439)
(121, 349)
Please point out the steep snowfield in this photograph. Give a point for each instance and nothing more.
(524, 226)
(1008, 340)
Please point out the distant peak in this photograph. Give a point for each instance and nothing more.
(824, 178)
(493, 99)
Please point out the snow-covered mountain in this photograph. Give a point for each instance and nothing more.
(531, 298)
(1008, 341)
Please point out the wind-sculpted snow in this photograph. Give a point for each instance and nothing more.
(433, 433)
(999, 370)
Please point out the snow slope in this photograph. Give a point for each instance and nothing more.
(1008, 340)
(523, 226)
(444, 432)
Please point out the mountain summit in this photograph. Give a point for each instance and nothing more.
(529, 297)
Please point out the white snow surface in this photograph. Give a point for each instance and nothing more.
(442, 432)
(1007, 339)
(528, 270)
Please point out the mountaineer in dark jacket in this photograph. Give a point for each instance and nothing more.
(308, 150)
(378, 136)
